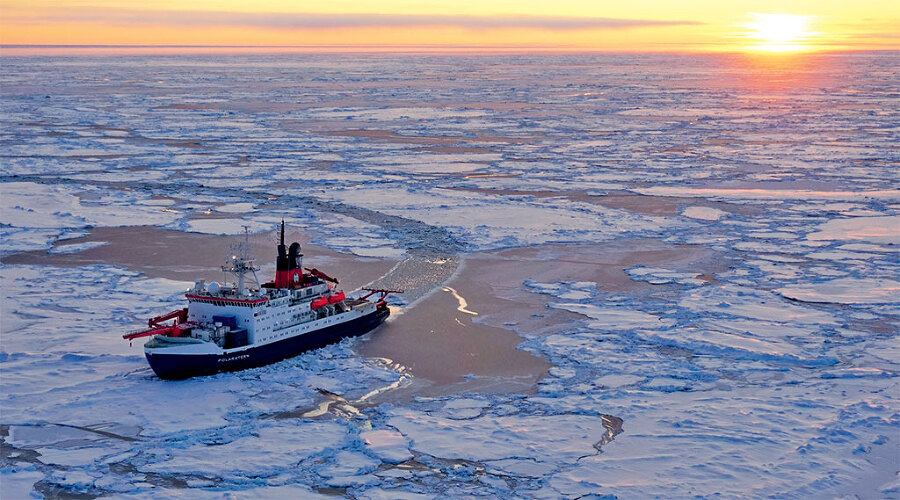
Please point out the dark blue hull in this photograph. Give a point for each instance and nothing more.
(182, 366)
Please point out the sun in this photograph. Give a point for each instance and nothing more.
(780, 32)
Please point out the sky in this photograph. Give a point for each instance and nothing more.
(637, 25)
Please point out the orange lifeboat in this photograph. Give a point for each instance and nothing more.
(336, 298)
(321, 301)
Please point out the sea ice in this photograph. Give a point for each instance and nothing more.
(267, 451)
(224, 226)
(392, 494)
(738, 346)
(18, 482)
(768, 194)
(751, 303)
(388, 445)
(32, 205)
(884, 230)
(565, 438)
(348, 464)
(659, 276)
(15, 239)
(703, 213)
(236, 208)
(846, 291)
(76, 247)
(617, 380)
(611, 318)
(73, 456)
(733, 388)
(572, 290)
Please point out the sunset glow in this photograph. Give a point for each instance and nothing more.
(780, 32)
(577, 25)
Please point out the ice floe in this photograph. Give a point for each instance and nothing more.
(659, 276)
(846, 291)
(885, 230)
(76, 247)
(388, 445)
(613, 318)
(703, 213)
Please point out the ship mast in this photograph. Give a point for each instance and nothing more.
(241, 262)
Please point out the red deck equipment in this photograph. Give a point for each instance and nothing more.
(178, 328)
(384, 293)
(321, 275)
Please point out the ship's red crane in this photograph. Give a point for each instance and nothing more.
(321, 275)
(178, 328)
(384, 293)
(180, 314)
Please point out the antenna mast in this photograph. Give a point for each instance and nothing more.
(241, 262)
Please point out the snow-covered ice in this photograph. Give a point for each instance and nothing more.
(770, 371)
(866, 230)
(703, 213)
(846, 291)
(77, 247)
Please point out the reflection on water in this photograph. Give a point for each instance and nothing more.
(463, 305)
(786, 70)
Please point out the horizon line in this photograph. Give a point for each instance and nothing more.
(402, 46)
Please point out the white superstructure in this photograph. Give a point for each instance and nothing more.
(232, 326)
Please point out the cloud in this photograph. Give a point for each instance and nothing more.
(300, 21)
